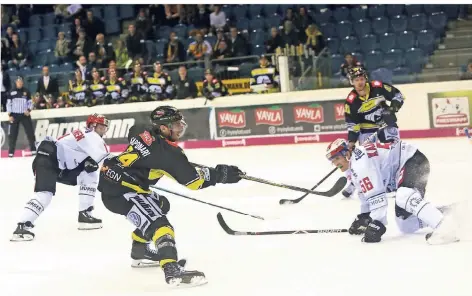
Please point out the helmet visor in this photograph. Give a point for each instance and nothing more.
(178, 128)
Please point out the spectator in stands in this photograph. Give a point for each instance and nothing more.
(75, 10)
(173, 14)
(82, 66)
(20, 15)
(349, 62)
(19, 53)
(134, 43)
(220, 49)
(157, 14)
(83, 45)
(185, 87)
(77, 28)
(92, 62)
(199, 48)
(60, 11)
(5, 17)
(5, 88)
(144, 24)
(47, 90)
(6, 56)
(275, 41)
(467, 74)
(213, 87)
(93, 25)
(174, 51)
(302, 21)
(201, 19)
(121, 54)
(289, 16)
(237, 43)
(104, 51)
(9, 33)
(62, 49)
(217, 18)
(313, 39)
(289, 35)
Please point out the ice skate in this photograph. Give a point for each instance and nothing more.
(177, 276)
(445, 233)
(87, 221)
(145, 255)
(22, 232)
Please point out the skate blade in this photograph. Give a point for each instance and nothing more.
(194, 282)
(88, 226)
(22, 238)
(143, 263)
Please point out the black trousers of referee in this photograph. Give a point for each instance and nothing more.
(15, 128)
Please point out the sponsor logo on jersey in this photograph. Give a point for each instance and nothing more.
(313, 113)
(232, 118)
(117, 128)
(135, 218)
(147, 138)
(271, 116)
(377, 83)
(371, 104)
(146, 206)
(351, 98)
(111, 174)
(339, 111)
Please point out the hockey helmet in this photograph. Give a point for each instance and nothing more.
(355, 72)
(95, 119)
(171, 117)
(336, 148)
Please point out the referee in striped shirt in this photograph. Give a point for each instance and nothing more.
(19, 106)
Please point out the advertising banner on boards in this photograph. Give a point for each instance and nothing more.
(450, 109)
(280, 119)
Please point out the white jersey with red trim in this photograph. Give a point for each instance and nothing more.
(74, 148)
(377, 168)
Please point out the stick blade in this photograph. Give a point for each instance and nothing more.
(338, 187)
(223, 224)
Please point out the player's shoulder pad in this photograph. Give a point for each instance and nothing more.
(376, 83)
(351, 97)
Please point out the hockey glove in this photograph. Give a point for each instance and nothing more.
(227, 174)
(161, 201)
(90, 165)
(374, 232)
(359, 225)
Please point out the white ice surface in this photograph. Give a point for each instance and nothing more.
(65, 261)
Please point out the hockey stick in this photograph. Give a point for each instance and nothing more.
(333, 191)
(294, 201)
(207, 203)
(467, 133)
(230, 231)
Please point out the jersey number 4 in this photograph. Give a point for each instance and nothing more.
(128, 157)
(366, 185)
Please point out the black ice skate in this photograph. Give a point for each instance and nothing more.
(87, 221)
(176, 275)
(22, 233)
(142, 255)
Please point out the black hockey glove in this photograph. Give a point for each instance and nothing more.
(161, 201)
(227, 174)
(374, 232)
(359, 225)
(90, 165)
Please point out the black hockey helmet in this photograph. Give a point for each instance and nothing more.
(355, 72)
(172, 118)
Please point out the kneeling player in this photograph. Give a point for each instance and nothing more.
(72, 159)
(375, 167)
(125, 180)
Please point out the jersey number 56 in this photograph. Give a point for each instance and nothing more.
(366, 185)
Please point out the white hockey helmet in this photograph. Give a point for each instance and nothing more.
(336, 148)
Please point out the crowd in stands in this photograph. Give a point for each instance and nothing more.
(71, 41)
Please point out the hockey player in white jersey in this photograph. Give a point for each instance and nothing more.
(71, 160)
(378, 168)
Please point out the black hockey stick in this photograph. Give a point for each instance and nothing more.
(207, 203)
(294, 201)
(329, 193)
(230, 231)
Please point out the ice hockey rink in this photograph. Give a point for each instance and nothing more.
(65, 261)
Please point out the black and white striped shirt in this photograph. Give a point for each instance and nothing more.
(19, 101)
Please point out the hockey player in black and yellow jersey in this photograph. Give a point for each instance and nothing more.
(79, 92)
(212, 86)
(265, 77)
(370, 112)
(159, 84)
(138, 85)
(117, 88)
(125, 179)
(97, 89)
